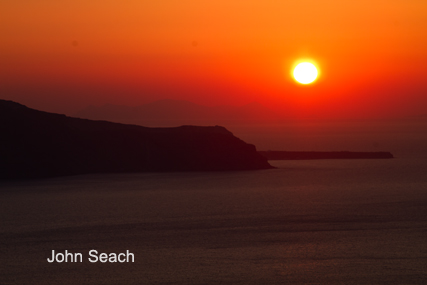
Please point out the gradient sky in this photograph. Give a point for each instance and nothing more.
(64, 55)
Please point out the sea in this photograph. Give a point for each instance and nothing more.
(361, 221)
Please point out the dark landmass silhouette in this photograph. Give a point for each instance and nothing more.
(300, 155)
(37, 144)
(177, 112)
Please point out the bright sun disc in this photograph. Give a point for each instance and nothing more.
(305, 73)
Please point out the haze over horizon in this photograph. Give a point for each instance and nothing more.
(170, 112)
(253, 124)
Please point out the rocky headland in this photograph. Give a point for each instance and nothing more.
(37, 144)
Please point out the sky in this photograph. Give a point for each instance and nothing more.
(61, 56)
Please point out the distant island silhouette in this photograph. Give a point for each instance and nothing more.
(301, 155)
(37, 144)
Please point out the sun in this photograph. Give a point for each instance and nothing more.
(305, 73)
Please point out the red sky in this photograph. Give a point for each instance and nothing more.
(64, 55)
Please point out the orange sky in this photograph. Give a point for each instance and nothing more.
(63, 55)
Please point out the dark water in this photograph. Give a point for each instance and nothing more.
(308, 222)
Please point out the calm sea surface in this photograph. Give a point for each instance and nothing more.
(307, 222)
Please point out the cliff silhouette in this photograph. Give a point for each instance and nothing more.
(37, 144)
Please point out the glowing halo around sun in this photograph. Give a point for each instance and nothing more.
(305, 73)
